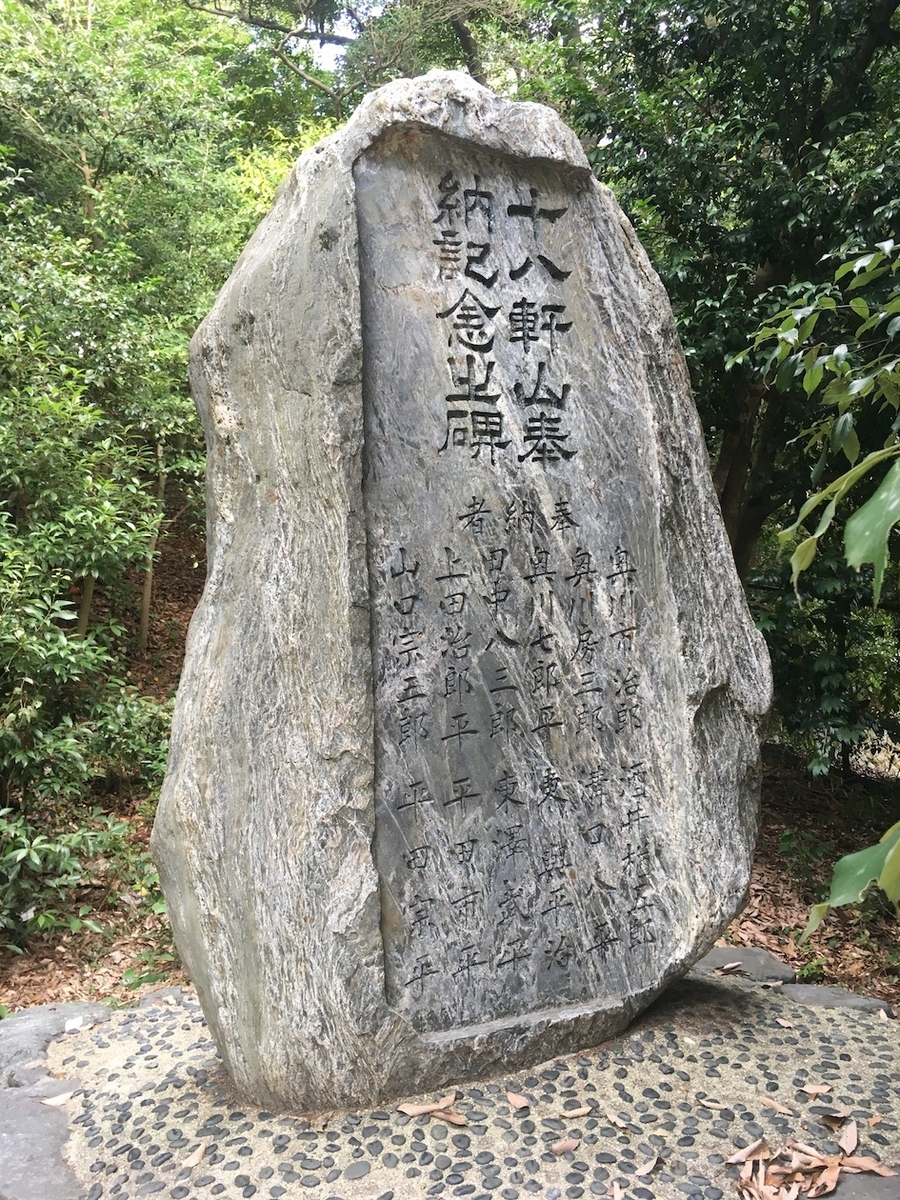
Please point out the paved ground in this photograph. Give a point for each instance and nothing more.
(150, 1112)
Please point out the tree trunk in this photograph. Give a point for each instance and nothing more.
(470, 49)
(147, 592)
(735, 460)
(89, 175)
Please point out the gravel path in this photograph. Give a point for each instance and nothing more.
(152, 1113)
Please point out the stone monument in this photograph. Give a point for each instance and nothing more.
(465, 760)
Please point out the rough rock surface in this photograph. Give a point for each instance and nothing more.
(834, 997)
(758, 965)
(465, 759)
(25, 1036)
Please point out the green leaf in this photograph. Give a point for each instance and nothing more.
(866, 277)
(855, 872)
(812, 378)
(851, 447)
(817, 915)
(839, 430)
(889, 879)
(802, 558)
(866, 532)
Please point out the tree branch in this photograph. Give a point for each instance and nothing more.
(312, 35)
(470, 50)
(875, 33)
(335, 96)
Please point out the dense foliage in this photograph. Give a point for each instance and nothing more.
(130, 176)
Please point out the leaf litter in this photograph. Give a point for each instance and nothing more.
(796, 1170)
(439, 1108)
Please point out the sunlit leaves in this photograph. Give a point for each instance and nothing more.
(855, 873)
(834, 493)
(866, 532)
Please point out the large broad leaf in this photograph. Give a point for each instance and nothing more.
(855, 872)
(866, 532)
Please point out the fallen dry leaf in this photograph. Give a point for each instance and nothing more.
(849, 1138)
(56, 1101)
(566, 1146)
(783, 1023)
(732, 968)
(882, 1015)
(758, 1149)
(422, 1110)
(193, 1159)
(776, 1107)
(826, 1182)
(616, 1191)
(809, 1151)
(518, 1101)
(648, 1166)
(617, 1121)
(451, 1116)
(74, 1023)
(868, 1164)
(319, 1123)
(816, 1089)
(876, 1120)
(585, 1111)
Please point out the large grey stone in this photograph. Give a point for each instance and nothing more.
(465, 762)
(32, 1139)
(25, 1035)
(756, 964)
(833, 997)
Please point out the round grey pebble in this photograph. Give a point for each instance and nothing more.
(356, 1170)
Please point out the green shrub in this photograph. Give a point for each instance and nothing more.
(39, 871)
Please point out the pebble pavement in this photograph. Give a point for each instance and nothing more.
(151, 1112)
